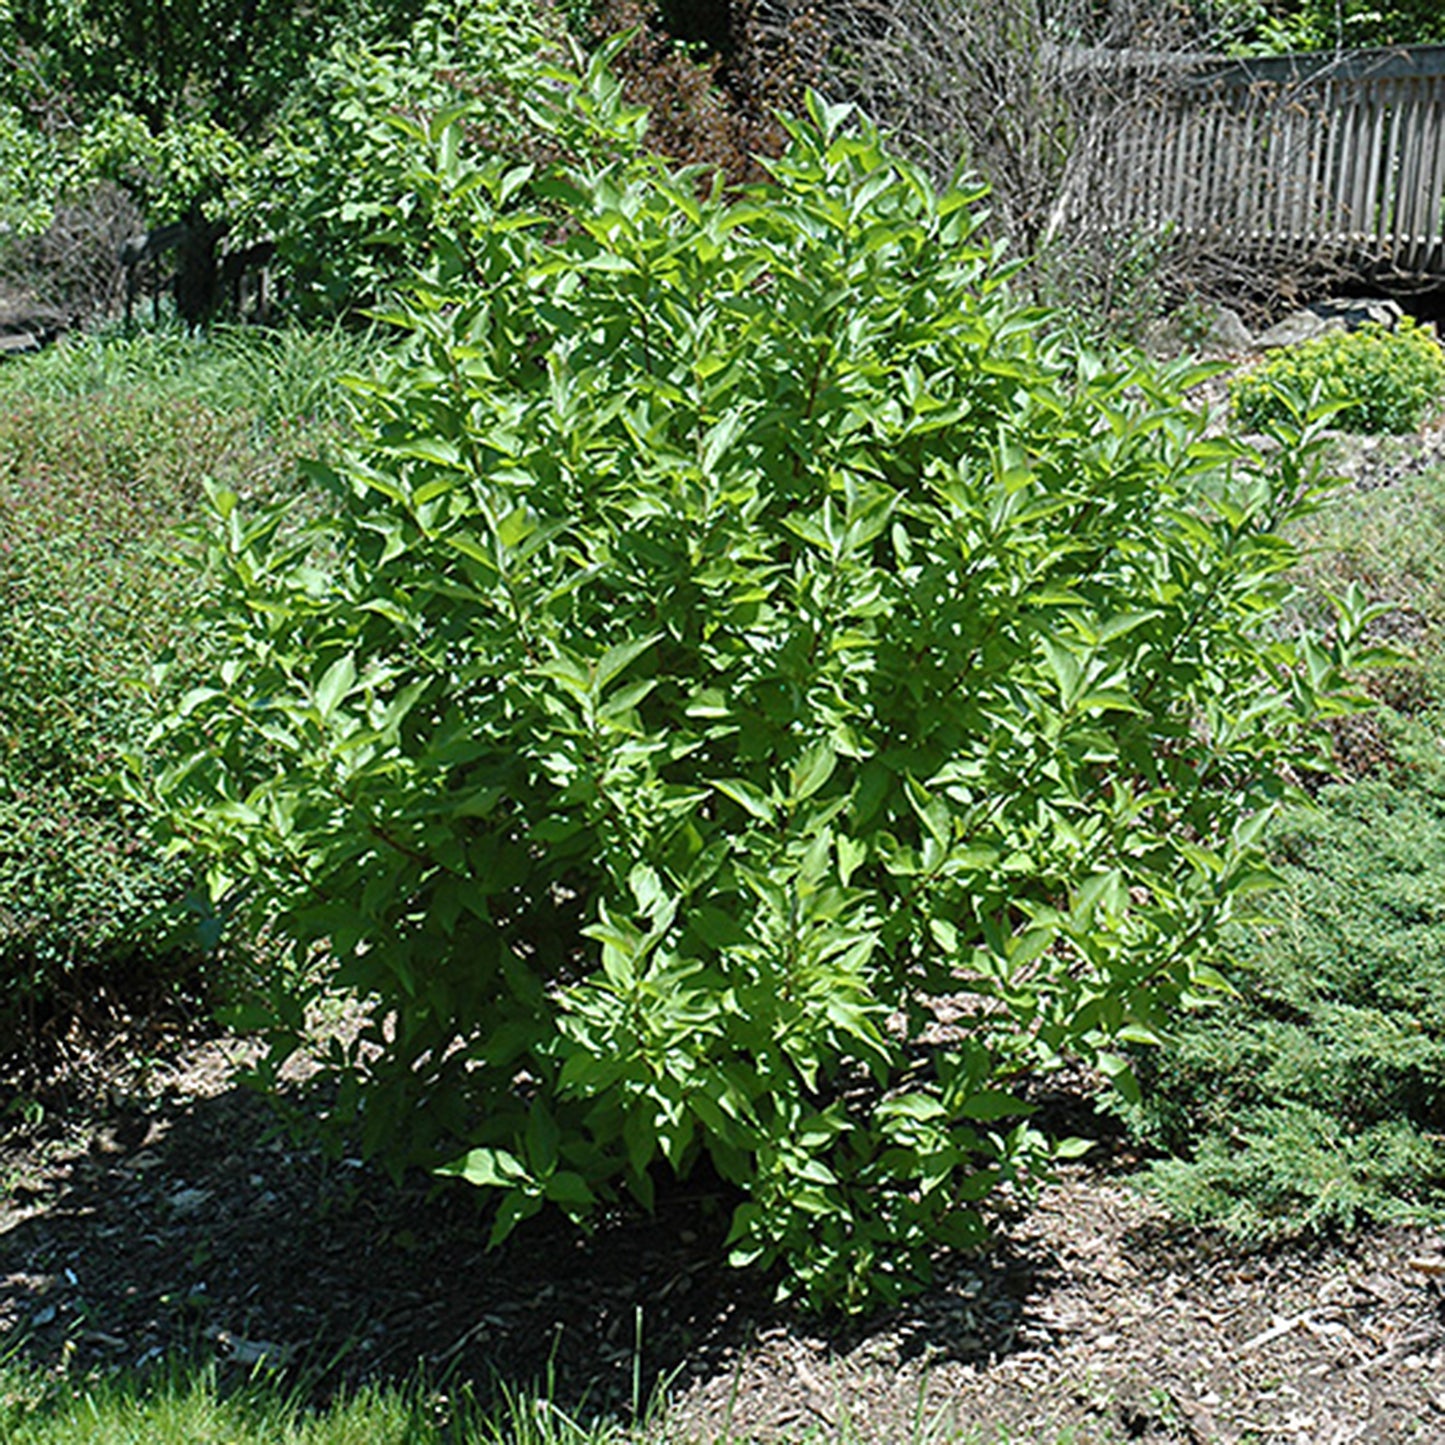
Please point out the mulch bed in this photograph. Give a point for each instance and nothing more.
(183, 1223)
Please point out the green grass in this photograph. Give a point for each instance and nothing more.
(280, 377)
(207, 1407)
(212, 1405)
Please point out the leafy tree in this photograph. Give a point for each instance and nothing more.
(751, 697)
(1272, 27)
(208, 114)
(231, 60)
(27, 163)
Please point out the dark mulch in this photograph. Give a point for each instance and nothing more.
(177, 1221)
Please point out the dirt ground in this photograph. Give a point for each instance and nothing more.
(182, 1221)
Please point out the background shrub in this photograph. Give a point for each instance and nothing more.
(1260, 28)
(1316, 1098)
(27, 161)
(336, 188)
(231, 61)
(1382, 380)
(73, 265)
(750, 697)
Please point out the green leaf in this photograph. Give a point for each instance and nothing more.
(746, 795)
(1066, 668)
(543, 1139)
(828, 117)
(571, 1191)
(923, 1108)
(513, 1209)
(932, 812)
(993, 1104)
(486, 1167)
(640, 1137)
(1107, 699)
(617, 659)
(335, 684)
(1120, 1074)
(851, 855)
(812, 770)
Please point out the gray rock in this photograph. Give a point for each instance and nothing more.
(27, 328)
(1356, 311)
(1228, 333)
(1214, 330)
(186, 1202)
(32, 316)
(1296, 327)
(1342, 313)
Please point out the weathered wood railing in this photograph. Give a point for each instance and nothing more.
(1340, 155)
(204, 276)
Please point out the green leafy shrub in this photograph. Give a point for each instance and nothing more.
(1381, 380)
(750, 698)
(88, 596)
(336, 189)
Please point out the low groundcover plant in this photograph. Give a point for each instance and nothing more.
(750, 697)
(89, 492)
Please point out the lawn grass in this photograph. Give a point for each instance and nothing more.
(187, 1406)
(207, 1405)
(280, 377)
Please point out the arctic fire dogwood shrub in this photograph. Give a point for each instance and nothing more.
(752, 696)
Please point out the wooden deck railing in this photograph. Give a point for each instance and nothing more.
(1338, 155)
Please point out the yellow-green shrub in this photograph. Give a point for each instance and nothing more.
(1382, 380)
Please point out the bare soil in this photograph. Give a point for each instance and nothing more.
(178, 1220)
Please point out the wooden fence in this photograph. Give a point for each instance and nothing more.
(1341, 156)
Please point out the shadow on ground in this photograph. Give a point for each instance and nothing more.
(191, 1228)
